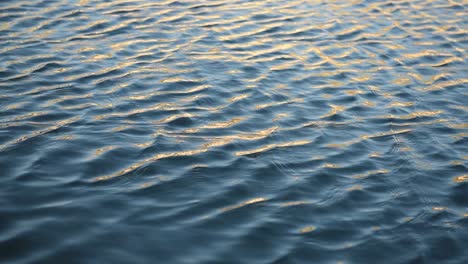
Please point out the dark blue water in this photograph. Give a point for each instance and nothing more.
(233, 131)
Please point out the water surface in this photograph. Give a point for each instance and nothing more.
(233, 131)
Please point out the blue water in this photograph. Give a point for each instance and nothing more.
(235, 131)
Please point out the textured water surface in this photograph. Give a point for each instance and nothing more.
(233, 131)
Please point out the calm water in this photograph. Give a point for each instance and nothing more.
(233, 131)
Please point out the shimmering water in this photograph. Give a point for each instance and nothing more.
(233, 131)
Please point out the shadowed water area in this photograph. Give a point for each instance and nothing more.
(233, 131)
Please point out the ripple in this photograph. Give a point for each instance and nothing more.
(195, 131)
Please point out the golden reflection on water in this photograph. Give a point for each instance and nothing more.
(294, 203)
(248, 202)
(307, 229)
(463, 178)
(371, 173)
(353, 91)
(272, 146)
